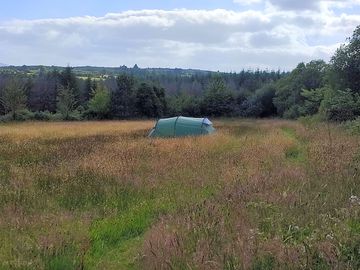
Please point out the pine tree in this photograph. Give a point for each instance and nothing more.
(66, 102)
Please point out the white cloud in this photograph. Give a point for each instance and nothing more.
(208, 39)
(248, 2)
(303, 4)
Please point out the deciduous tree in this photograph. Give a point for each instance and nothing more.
(13, 97)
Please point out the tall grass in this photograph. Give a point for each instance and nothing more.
(101, 195)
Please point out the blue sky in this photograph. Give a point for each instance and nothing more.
(37, 9)
(226, 35)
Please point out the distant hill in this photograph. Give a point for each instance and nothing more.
(91, 71)
(3, 65)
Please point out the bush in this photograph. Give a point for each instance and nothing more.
(43, 116)
(6, 118)
(74, 116)
(340, 105)
(311, 120)
(21, 115)
(251, 108)
(24, 115)
(292, 112)
(353, 126)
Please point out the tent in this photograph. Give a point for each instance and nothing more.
(182, 126)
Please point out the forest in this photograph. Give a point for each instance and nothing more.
(320, 90)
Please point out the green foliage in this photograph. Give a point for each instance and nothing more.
(289, 98)
(68, 80)
(99, 104)
(259, 104)
(313, 99)
(185, 105)
(123, 97)
(340, 105)
(89, 89)
(293, 112)
(85, 189)
(295, 234)
(346, 64)
(265, 96)
(231, 262)
(251, 107)
(350, 251)
(13, 97)
(311, 120)
(353, 126)
(66, 102)
(65, 258)
(6, 118)
(266, 262)
(24, 114)
(150, 101)
(43, 116)
(218, 99)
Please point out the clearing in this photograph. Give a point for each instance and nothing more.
(263, 194)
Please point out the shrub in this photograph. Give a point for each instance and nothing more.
(353, 126)
(340, 105)
(74, 116)
(6, 118)
(23, 115)
(43, 116)
(311, 120)
(292, 112)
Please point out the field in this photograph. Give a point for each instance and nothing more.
(263, 194)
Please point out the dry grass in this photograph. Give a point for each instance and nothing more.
(100, 195)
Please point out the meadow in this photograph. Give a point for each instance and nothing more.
(259, 194)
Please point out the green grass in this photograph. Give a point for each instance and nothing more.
(297, 152)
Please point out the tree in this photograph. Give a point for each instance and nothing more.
(68, 80)
(66, 102)
(340, 105)
(13, 97)
(88, 90)
(264, 97)
(160, 94)
(346, 64)
(251, 107)
(313, 99)
(42, 95)
(184, 104)
(288, 98)
(149, 101)
(123, 98)
(99, 104)
(218, 99)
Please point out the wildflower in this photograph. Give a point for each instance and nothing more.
(354, 200)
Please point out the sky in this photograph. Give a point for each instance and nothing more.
(225, 35)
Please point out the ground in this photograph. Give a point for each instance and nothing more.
(259, 194)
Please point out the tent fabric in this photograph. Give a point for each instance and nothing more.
(182, 126)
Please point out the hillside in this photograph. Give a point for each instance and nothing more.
(110, 71)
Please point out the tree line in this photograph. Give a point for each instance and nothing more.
(62, 95)
(330, 91)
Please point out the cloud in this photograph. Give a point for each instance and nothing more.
(208, 39)
(248, 2)
(303, 5)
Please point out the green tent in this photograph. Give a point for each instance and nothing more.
(182, 126)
